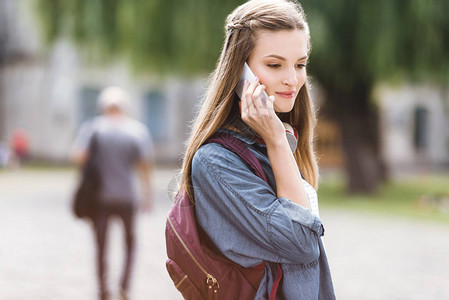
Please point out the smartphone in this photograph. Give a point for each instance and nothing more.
(247, 74)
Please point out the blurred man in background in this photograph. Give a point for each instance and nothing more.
(124, 146)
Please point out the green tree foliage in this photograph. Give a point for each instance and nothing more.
(155, 35)
(378, 40)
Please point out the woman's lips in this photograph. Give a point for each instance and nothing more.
(286, 94)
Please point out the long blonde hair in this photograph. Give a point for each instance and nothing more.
(241, 26)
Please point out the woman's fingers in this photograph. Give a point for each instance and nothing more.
(255, 107)
(258, 100)
(243, 102)
(257, 110)
(249, 96)
(270, 103)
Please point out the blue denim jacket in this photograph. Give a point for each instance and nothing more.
(249, 224)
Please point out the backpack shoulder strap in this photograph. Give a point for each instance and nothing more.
(242, 150)
(238, 147)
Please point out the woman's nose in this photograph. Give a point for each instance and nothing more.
(291, 77)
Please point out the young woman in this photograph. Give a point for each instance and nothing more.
(248, 220)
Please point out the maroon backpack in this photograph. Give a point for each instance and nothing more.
(197, 271)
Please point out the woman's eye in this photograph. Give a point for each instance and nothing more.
(300, 66)
(274, 66)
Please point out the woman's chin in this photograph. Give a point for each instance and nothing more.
(283, 105)
(283, 108)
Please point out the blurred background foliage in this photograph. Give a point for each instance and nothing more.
(381, 39)
(356, 45)
(155, 36)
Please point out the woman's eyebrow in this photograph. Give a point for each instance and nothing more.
(283, 58)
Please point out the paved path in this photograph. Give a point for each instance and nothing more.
(46, 254)
(383, 258)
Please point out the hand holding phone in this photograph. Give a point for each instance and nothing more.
(248, 75)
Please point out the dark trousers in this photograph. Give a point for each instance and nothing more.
(126, 213)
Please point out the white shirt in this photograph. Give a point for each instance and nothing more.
(313, 197)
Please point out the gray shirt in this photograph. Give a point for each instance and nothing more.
(122, 143)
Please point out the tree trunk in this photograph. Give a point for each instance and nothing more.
(359, 124)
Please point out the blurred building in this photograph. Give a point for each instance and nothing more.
(48, 93)
(415, 126)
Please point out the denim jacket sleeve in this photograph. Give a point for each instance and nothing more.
(243, 216)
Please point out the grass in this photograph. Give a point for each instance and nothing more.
(414, 196)
(39, 166)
